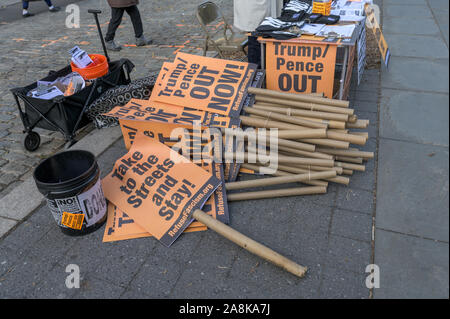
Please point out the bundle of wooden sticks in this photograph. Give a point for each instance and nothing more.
(314, 143)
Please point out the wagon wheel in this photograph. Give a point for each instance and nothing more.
(32, 141)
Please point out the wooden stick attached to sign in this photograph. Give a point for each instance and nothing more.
(250, 244)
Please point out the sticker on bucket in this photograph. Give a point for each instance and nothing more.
(91, 204)
(74, 221)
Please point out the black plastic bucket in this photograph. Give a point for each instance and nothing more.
(70, 181)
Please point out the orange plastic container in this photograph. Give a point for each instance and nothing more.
(322, 6)
(92, 72)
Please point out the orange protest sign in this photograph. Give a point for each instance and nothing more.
(216, 206)
(158, 188)
(208, 84)
(300, 67)
(193, 138)
(120, 226)
(144, 110)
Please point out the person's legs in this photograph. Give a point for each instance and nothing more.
(116, 19)
(26, 3)
(51, 7)
(135, 16)
(25, 12)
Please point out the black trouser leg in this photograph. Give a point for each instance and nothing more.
(135, 16)
(116, 19)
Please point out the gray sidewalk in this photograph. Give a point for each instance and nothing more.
(331, 234)
(395, 214)
(412, 221)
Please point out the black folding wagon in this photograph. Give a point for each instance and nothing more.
(66, 114)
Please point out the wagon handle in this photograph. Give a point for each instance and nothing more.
(96, 12)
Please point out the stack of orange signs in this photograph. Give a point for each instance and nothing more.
(215, 86)
(212, 85)
(194, 141)
(158, 189)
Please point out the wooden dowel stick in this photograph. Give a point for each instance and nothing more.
(352, 118)
(304, 113)
(305, 105)
(285, 134)
(365, 134)
(265, 170)
(298, 97)
(280, 141)
(249, 244)
(358, 124)
(354, 139)
(354, 160)
(334, 139)
(348, 153)
(277, 193)
(339, 170)
(354, 167)
(327, 142)
(298, 170)
(296, 145)
(347, 172)
(260, 122)
(278, 180)
(305, 161)
(331, 123)
(284, 159)
(284, 118)
(345, 131)
(305, 153)
(297, 134)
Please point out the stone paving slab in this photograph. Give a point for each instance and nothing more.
(398, 10)
(411, 267)
(416, 74)
(412, 189)
(417, 46)
(413, 116)
(406, 2)
(403, 25)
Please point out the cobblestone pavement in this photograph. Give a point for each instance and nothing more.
(30, 48)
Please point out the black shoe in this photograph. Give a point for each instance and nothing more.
(26, 15)
(141, 41)
(54, 9)
(112, 46)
